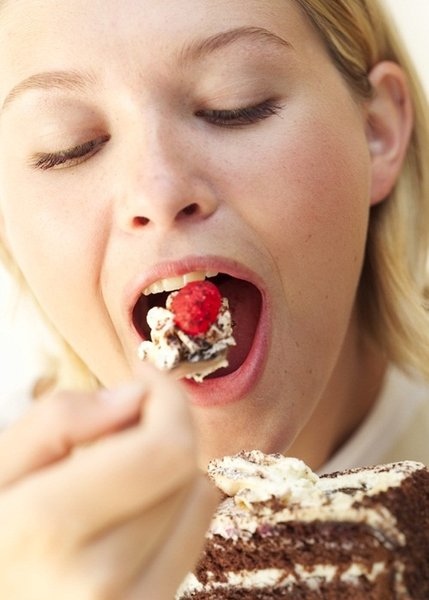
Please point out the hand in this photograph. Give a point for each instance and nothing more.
(100, 496)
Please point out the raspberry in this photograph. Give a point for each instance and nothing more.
(196, 307)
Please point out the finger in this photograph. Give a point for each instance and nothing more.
(125, 473)
(167, 538)
(52, 428)
(181, 546)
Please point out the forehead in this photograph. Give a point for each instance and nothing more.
(166, 13)
(41, 29)
(142, 42)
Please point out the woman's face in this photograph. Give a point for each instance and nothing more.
(143, 140)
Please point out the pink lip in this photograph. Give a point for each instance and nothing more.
(232, 387)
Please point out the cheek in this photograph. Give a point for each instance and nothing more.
(45, 241)
(314, 211)
(60, 252)
(51, 222)
(57, 243)
(312, 220)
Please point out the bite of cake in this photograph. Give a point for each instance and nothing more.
(192, 334)
(284, 532)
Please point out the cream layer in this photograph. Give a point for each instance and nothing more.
(277, 578)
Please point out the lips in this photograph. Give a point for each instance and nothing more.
(245, 301)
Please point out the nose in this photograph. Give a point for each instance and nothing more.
(165, 185)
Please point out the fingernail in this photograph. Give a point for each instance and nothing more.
(129, 393)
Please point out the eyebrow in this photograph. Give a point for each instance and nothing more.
(69, 80)
(220, 40)
(75, 81)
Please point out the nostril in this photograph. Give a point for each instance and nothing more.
(140, 221)
(189, 210)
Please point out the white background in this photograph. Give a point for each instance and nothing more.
(412, 18)
(21, 337)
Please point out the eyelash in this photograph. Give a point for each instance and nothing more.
(70, 157)
(238, 117)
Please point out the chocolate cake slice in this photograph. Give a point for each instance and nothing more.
(284, 532)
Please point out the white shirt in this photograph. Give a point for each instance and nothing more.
(396, 429)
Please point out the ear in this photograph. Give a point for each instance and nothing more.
(389, 126)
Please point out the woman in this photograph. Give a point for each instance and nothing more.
(280, 144)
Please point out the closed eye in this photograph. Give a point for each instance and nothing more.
(69, 157)
(240, 117)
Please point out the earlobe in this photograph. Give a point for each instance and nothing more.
(389, 126)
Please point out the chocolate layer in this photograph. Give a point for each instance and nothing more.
(307, 548)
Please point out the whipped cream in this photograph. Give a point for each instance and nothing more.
(256, 477)
(251, 478)
(194, 357)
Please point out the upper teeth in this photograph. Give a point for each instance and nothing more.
(176, 283)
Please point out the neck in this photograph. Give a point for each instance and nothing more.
(348, 398)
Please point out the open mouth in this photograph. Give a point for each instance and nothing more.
(245, 302)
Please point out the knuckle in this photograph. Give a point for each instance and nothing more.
(56, 409)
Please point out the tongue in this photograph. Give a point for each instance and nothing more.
(245, 305)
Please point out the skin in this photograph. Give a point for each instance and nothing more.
(165, 184)
(68, 528)
(100, 224)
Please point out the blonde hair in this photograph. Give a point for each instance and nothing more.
(357, 35)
